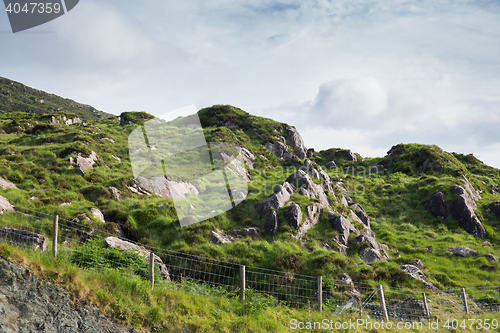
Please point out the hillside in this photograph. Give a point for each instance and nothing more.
(316, 213)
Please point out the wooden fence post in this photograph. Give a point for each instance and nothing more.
(426, 306)
(242, 282)
(383, 308)
(464, 298)
(320, 293)
(55, 230)
(152, 269)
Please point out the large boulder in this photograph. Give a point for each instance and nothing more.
(278, 199)
(461, 251)
(331, 165)
(313, 213)
(343, 226)
(163, 187)
(293, 214)
(414, 272)
(361, 214)
(23, 237)
(86, 163)
(114, 242)
(462, 210)
(219, 237)
(248, 157)
(97, 214)
(435, 205)
(296, 142)
(494, 207)
(271, 225)
(370, 255)
(472, 191)
(5, 184)
(373, 251)
(5, 205)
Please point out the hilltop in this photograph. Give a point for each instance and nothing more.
(311, 212)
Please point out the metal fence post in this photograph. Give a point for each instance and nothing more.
(152, 269)
(320, 293)
(55, 229)
(242, 282)
(464, 298)
(426, 306)
(382, 302)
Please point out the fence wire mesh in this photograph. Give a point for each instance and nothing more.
(91, 248)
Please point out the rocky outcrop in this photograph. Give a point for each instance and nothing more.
(343, 226)
(86, 163)
(23, 237)
(494, 207)
(163, 187)
(28, 304)
(435, 205)
(5, 184)
(297, 143)
(114, 192)
(271, 225)
(219, 237)
(461, 251)
(278, 199)
(115, 242)
(313, 213)
(472, 191)
(432, 165)
(248, 157)
(293, 214)
(97, 214)
(462, 210)
(414, 272)
(5, 205)
(361, 214)
(331, 165)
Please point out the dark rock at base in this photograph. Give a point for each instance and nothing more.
(495, 208)
(331, 165)
(462, 210)
(293, 214)
(435, 205)
(271, 226)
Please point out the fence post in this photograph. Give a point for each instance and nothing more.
(426, 307)
(382, 302)
(242, 282)
(320, 293)
(55, 229)
(464, 298)
(152, 269)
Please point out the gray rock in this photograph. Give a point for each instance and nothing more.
(278, 199)
(435, 205)
(331, 165)
(432, 165)
(114, 192)
(248, 157)
(462, 210)
(165, 188)
(307, 167)
(343, 226)
(310, 153)
(491, 257)
(5, 205)
(313, 213)
(219, 237)
(418, 263)
(5, 184)
(23, 237)
(252, 231)
(296, 142)
(361, 214)
(79, 171)
(115, 242)
(293, 214)
(370, 255)
(97, 214)
(461, 251)
(294, 178)
(414, 272)
(86, 163)
(472, 191)
(271, 225)
(495, 208)
(377, 169)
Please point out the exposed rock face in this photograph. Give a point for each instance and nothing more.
(296, 142)
(219, 237)
(86, 163)
(5, 184)
(30, 305)
(361, 214)
(272, 223)
(165, 188)
(414, 272)
(23, 237)
(278, 148)
(128, 246)
(114, 192)
(248, 157)
(278, 199)
(293, 214)
(343, 226)
(313, 213)
(370, 255)
(5, 205)
(462, 210)
(461, 251)
(331, 165)
(472, 191)
(97, 214)
(252, 231)
(348, 155)
(495, 208)
(435, 205)
(432, 165)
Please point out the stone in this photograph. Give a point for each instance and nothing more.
(310, 153)
(294, 177)
(370, 255)
(23, 237)
(491, 257)
(86, 163)
(462, 210)
(115, 242)
(296, 142)
(219, 237)
(418, 263)
(313, 213)
(114, 192)
(248, 157)
(331, 165)
(5, 205)
(343, 226)
(163, 187)
(80, 172)
(414, 272)
(361, 214)
(377, 169)
(432, 165)
(472, 191)
(5, 184)
(348, 155)
(97, 214)
(293, 214)
(278, 199)
(252, 231)
(461, 251)
(435, 205)
(271, 225)
(494, 207)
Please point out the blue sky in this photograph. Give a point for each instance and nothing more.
(363, 75)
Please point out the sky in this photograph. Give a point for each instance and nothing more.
(358, 74)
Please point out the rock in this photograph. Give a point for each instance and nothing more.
(165, 188)
(79, 171)
(5, 205)
(377, 169)
(370, 255)
(495, 208)
(114, 192)
(314, 174)
(252, 231)
(294, 177)
(491, 257)
(293, 214)
(331, 165)
(29, 304)
(351, 303)
(462, 210)
(219, 237)
(461, 251)
(115, 242)
(108, 139)
(239, 195)
(414, 272)
(310, 153)
(361, 214)
(278, 199)
(97, 214)
(468, 186)
(427, 248)
(432, 165)
(313, 213)
(5, 184)
(296, 142)
(374, 250)
(323, 175)
(435, 205)
(23, 237)
(248, 157)
(272, 223)
(348, 155)
(86, 163)
(307, 166)
(343, 226)
(418, 263)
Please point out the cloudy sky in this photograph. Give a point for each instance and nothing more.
(356, 74)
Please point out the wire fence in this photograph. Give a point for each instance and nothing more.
(97, 249)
